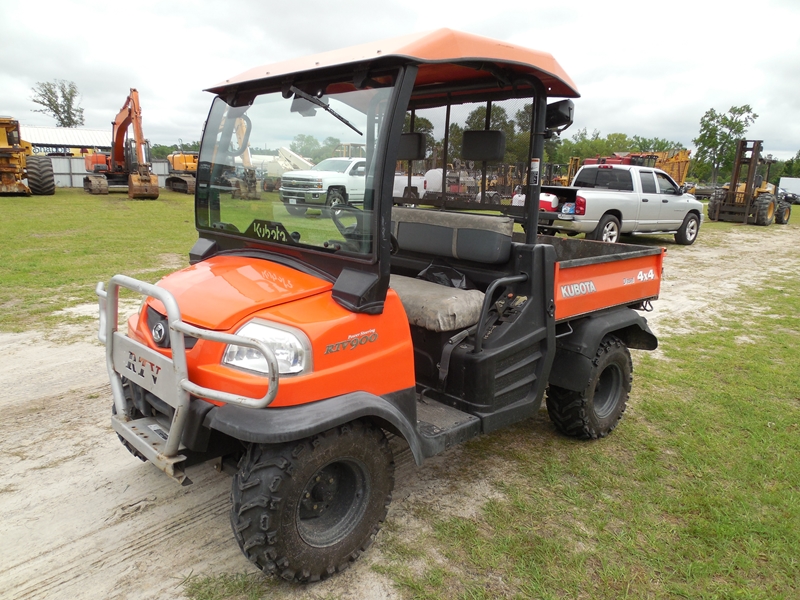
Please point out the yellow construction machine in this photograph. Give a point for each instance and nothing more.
(749, 197)
(182, 172)
(19, 165)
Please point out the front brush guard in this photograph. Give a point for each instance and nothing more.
(163, 376)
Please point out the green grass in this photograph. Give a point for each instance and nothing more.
(56, 248)
(695, 495)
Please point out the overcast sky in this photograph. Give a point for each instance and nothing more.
(642, 68)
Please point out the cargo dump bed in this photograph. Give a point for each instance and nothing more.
(591, 276)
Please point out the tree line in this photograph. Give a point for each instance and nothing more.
(712, 162)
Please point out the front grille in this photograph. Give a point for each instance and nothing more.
(154, 318)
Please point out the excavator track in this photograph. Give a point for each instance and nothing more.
(95, 184)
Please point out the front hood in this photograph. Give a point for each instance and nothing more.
(219, 292)
(310, 174)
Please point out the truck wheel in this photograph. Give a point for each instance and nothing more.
(765, 209)
(335, 199)
(295, 210)
(783, 213)
(41, 180)
(607, 230)
(594, 412)
(688, 231)
(306, 509)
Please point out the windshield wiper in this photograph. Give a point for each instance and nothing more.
(316, 101)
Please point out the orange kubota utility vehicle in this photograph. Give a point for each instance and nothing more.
(295, 342)
(128, 164)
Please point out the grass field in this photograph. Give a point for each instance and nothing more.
(696, 494)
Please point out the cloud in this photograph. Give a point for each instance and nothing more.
(641, 69)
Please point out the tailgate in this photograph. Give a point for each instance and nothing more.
(591, 276)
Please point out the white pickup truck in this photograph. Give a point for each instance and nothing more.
(606, 201)
(337, 181)
(332, 181)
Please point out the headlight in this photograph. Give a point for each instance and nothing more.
(291, 348)
(318, 183)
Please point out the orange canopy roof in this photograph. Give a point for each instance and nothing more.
(431, 48)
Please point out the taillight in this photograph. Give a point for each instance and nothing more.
(580, 205)
(424, 184)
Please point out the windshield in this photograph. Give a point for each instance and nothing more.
(295, 171)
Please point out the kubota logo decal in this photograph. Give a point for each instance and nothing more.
(578, 289)
(140, 365)
(353, 341)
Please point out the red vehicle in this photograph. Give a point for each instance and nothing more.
(295, 342)
(128, 164)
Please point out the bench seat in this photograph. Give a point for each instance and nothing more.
(437, 307)
(479, 239)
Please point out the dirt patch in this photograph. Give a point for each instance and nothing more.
(82, 518)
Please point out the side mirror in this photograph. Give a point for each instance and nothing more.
(559, 115)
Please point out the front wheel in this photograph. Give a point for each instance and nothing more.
(41, 180)
(306, 509)
(296, 210)
(595, 411)
(688, 231)
(607, 230)
(334, 203)
(765, 210)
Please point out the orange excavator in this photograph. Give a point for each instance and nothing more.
(127, 166)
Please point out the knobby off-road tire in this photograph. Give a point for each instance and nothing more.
(307, 509)
(41, 180)
(607, 230)
(765, 209)
(783, 213)
(594, 412)
(687, 233)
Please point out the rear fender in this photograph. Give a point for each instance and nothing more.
(395, 412)
(575, 352)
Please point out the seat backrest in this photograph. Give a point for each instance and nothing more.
(465, 236)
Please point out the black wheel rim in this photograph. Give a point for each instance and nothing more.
(333, 503)
(607, 391)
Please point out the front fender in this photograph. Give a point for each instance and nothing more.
(395, 412)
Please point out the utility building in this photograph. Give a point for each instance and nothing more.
(66, 140)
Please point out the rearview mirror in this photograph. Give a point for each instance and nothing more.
(559, 115)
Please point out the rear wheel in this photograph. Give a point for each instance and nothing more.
(688, 231)
(607, 230)
(713, 205)
(41, 180)
(595, 411)
(783, 213)
(307, 509)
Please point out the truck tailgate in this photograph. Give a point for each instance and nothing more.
(591, 276)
